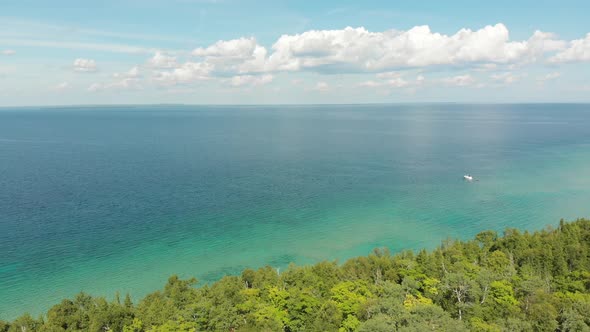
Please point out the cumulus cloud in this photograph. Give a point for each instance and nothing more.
(357, 49)
(8, 52)
(577, 50)
(393, 80)
(371, 84)
(185, 73)
(387, 54)
(239, 56)
(459, 80)
(238, 49)
(396, 82)
(161, 60)
(84, 65)
(505, 78)
(131, 73)
(130, 79)
(250, 80)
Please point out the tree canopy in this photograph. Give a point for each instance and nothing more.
(519, 281)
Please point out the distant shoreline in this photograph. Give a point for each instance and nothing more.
(584, 103)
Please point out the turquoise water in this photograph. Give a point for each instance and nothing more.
(106, 199)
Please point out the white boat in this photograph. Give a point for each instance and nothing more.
(468, 177)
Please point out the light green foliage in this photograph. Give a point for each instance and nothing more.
(349, 324)
(518, 282)
(349, 296)
(25, 323)
(502, 293)
(479, 325)
(135, 326)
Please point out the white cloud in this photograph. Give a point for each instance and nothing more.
(161, 60)
(549, 77)
(505, 78)
(357, 49)
(390, 55)
(126, 80)
(396, 82)
(186, 73)
(124, 84)
(371, 84)
(84, 65)
(459, 80)
(577, 50)
(8, 52)
(250, 80)
(392, 79)
(239, 56)
(131, 73)
(389, 75)
(237, 48)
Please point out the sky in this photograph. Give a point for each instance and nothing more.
(66, 52)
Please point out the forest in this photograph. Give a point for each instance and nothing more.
(516, 281)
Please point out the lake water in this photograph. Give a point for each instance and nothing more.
(106, 199)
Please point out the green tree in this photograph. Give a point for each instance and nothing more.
(460, 291)
(25, 323)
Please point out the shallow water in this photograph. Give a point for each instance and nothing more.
(106, 199)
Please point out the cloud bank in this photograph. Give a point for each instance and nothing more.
(243, 62)
(357, 50)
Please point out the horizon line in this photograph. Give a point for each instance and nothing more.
(298, 104)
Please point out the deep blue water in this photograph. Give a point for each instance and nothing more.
(106, 199)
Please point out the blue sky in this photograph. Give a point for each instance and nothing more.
(257, 52)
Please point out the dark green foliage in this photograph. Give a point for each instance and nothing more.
(518, 282)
